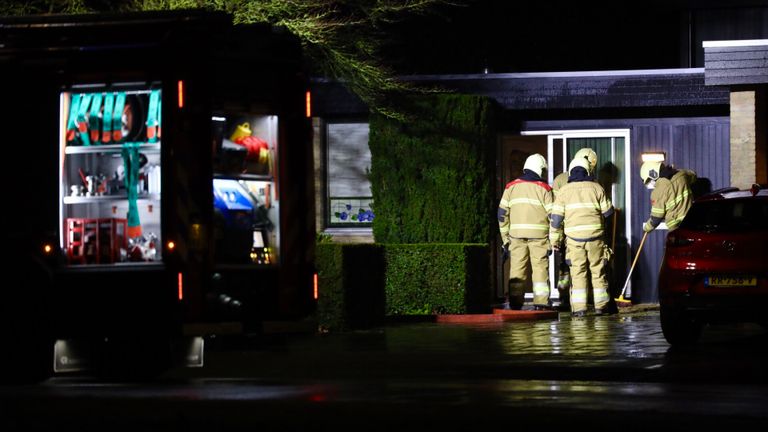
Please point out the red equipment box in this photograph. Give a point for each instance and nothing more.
(95, 241)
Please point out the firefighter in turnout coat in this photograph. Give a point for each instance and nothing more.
(563, 270)
(579, 211)
(524, 227)
(671, 195)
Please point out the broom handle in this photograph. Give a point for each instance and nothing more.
(637, 255)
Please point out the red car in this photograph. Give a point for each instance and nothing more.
(715, 266)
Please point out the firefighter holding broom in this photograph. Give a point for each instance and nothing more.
(671, 195)
(671, 198)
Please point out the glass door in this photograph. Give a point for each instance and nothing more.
(611, 147)
(610, 173)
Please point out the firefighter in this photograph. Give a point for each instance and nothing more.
(671, 195)
(563, 270)
(562, 178)
(580, 210)
(524, 227)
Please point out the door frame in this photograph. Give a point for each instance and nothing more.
(564, 134)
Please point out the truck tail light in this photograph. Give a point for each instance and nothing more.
(181, 286)
(181, 93)
(308, 98)
(314, 286)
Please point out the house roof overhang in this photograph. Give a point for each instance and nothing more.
(658, 88)
(736, 62)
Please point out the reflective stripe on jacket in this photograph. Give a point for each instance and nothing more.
(524, 210)
(671, 199)
(580, 207)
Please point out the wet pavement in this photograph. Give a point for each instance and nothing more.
(604, 373)
(624, 347)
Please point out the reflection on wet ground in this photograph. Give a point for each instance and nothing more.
(618, 347)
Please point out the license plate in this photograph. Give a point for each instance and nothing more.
(726, 281)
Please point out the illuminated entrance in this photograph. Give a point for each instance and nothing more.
(612, 147)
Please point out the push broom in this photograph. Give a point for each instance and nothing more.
(621, 301)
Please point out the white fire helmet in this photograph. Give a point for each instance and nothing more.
(588, 154)
(579, 162)
(536, 163)
(649, 171)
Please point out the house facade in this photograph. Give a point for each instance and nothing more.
(709, 118)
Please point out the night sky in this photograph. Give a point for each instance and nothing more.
(508, 36)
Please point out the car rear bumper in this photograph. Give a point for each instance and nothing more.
(720, 308)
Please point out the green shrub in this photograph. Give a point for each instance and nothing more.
(436, 279)
(350, 285)
(431, 176)
(361, 283)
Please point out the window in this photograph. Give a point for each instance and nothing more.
(744, 215)
(349, 190)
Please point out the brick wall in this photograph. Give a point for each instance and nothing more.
(748, 138)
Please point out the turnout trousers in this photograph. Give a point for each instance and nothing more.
(587, 255)
(521, 251)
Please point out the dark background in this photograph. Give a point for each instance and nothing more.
(542, 36)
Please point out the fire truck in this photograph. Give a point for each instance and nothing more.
(157, 175)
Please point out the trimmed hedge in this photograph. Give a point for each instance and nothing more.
(436, 279)
(360, 284)
(431, 176)
(350, 285)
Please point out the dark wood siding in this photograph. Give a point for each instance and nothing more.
(700, 144)
(736, 65)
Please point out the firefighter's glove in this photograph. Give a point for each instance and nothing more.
(505, 251)
(647, 227)
(607, 253)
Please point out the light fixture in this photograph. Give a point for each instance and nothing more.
(654, 157)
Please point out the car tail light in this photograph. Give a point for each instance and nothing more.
(677, 240)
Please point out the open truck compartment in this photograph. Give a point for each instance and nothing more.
(111, 172)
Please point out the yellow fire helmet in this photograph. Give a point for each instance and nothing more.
(536, 163)
(650, 171)
(588, 154)
(579, 162)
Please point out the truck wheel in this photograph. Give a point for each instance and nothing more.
(26, 354)
(27, 359)
(679, 329)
